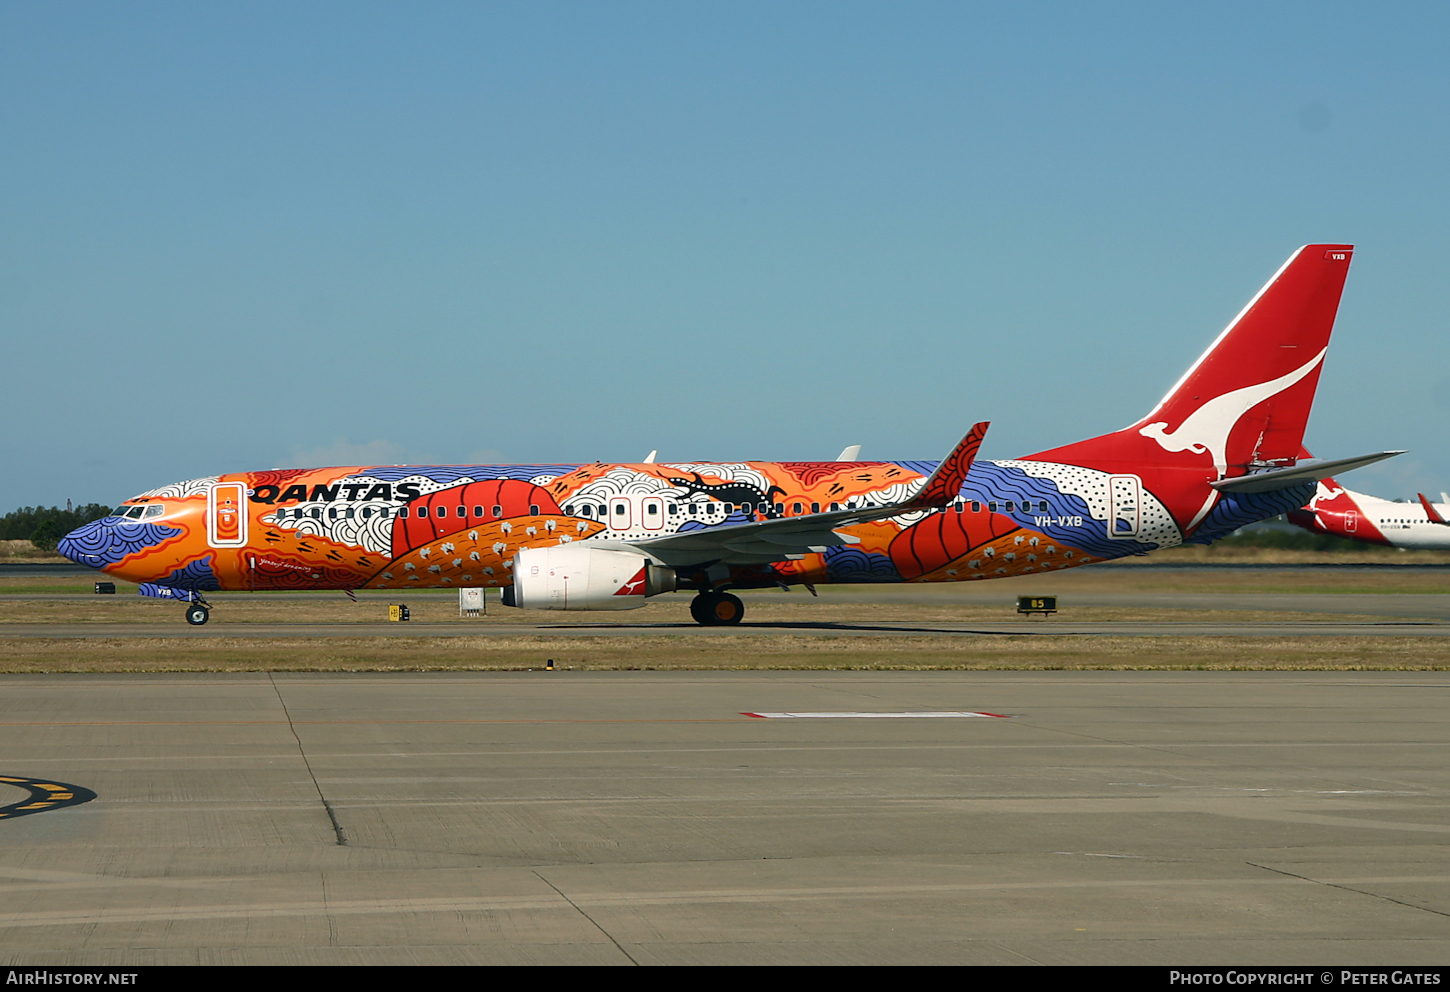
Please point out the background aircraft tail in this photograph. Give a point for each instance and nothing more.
(1334, 511)
(1245, 403)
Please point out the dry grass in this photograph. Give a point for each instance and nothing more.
(69, 602)
(27, 552)
(695, 652)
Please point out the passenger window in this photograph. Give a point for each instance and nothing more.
(694, 509)
(957, 507)
(442, 511)
(1010, 507)
(478, 511)
(315, 513)
(652, 509)
(992, 506)
(976, 507)
(533, 509)
(332, 513)
(349, 513)
(835, 507)
(674, 509)
(780, 509)
(497, 511)
(795, 508)
(463, 511)
(603, 511)
(618, 509)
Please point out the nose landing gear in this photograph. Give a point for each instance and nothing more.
(198, 612)
(717, 609)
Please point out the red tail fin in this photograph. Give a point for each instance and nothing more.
(1431, 514)
(1245, 402)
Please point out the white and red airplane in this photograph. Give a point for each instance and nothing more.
(1221, 450)
(1340, 512)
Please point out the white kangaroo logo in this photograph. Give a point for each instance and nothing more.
(1327, 495)
(1208, 427)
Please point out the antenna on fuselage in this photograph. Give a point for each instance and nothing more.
(851, 453)
(649, 459)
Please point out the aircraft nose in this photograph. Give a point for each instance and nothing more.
(107, 542)
(85, 545)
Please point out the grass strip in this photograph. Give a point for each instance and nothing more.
(691, 653)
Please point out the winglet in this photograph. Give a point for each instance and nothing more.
(1431, 512)
(945, 483)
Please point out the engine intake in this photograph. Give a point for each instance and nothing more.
(573, 577)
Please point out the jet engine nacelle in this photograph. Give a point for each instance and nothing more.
(578, 577)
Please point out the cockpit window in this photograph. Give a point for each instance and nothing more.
(135, 512)
(155, 510)
(120, 511)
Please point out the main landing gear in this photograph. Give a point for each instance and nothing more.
(198, 613)
(716, 609)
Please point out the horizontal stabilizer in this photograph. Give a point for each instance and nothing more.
(1294, 475)
(1430, 512)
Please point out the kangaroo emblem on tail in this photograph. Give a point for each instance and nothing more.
(1207, 428)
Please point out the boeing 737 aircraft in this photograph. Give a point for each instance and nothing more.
(1221, 450)
(1340, 512)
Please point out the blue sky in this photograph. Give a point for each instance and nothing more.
(239, 236)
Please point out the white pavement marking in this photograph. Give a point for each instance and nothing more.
(948, 714)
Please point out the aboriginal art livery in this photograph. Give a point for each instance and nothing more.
(1222, 449)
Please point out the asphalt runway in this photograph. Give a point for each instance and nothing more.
(640, 818)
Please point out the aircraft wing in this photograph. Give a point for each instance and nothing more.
(1293, 475)
(765, 541)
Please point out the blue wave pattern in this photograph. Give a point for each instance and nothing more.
(194, 575)
(157, 591)
(989, 481)
(105, 542)
(449, 474)
(1235, 510)
(845, 563)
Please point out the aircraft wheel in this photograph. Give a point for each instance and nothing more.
(196, 614)
(716, 609)
(727, 609)
(700, 609)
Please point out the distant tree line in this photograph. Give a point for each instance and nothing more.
(43, 526)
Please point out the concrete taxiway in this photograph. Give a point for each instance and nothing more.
(631, 817)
